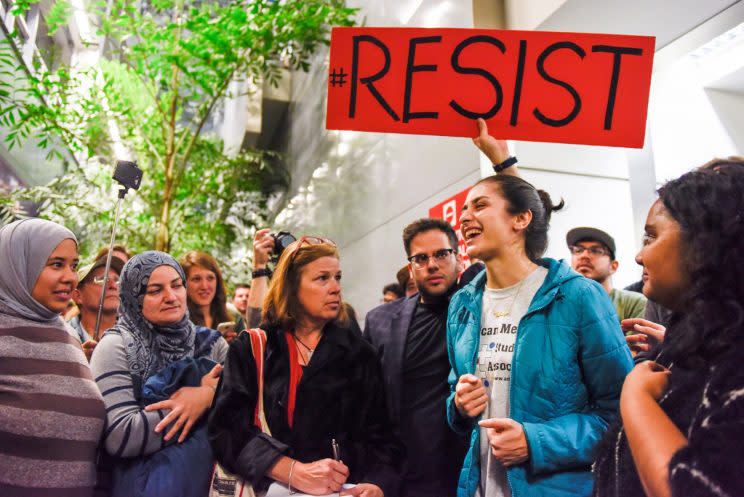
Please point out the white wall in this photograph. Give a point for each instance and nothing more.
(593, 182)
(688, 124)
(363, 188)
(691, 124)
(530, 14)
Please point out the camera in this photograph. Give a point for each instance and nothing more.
(128, 174)
(282, 240)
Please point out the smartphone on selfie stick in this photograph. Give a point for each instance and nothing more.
(128, 175)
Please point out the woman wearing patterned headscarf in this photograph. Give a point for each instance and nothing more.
(152, 333)
(51, 413)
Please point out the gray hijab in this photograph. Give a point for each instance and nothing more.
(149, 347)
(25, 247)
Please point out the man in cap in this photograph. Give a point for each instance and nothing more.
(593, 256)
(87, 296)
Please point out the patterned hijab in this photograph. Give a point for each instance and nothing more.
(149, 347)
(25, 247)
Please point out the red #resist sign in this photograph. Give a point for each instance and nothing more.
(528, 85)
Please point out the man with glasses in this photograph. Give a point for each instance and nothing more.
(410, 334)
(593, 256)
(87, 296)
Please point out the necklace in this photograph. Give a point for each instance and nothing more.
(309, 350)
(303, 362)
(501, 314)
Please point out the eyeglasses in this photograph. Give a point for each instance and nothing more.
(595, 250)
(99, 280)
(420, 261)
(309, 240)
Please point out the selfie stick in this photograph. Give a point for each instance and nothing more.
(129, 176)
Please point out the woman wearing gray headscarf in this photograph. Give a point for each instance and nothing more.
(152, 336)
(51, 413)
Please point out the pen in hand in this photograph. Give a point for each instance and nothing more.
(334, 446)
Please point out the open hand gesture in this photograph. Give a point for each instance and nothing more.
(186, 406)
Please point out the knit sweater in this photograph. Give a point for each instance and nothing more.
(707, 406)
(51, 412)
(130, 431)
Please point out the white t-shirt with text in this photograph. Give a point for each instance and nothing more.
(502, 311)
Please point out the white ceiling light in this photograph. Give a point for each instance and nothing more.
(720, 62)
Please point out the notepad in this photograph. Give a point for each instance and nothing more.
(280, 490)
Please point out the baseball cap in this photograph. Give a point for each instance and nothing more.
(85, 273)
(586, 233)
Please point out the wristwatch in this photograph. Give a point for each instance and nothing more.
(509, 162)
(262, 272)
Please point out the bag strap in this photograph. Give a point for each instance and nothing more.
(258, 347)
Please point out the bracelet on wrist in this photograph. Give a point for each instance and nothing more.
(289, 480)
(509, 162)
(258, 273)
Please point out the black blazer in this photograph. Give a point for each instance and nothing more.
(386, 327)
(341, 395)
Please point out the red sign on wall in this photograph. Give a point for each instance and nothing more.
(528, 85)
(450, 211)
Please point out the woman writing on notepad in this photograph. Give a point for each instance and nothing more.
(321, 382)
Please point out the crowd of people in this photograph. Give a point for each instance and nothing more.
(520, 376)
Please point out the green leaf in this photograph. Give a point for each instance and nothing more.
(58, 15)
(177, 55)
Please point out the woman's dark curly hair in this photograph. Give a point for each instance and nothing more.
(708, 204)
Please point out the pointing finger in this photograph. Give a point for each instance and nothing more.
(498, 424)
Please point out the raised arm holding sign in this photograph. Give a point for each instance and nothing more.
(528, 85)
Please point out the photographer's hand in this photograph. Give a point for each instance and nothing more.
(263, 247)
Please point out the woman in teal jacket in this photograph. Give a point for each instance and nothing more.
(538, 358)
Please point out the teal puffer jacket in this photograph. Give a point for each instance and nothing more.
(569, 363)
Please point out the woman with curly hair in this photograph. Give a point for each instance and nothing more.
(682, 412)
(207, 298)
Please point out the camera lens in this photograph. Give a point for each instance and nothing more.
(282, 240)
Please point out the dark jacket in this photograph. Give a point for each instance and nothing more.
(178, 470)
(341, 395)
(387, 327)
(707, 405)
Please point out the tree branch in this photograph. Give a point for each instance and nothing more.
(136, 31)
(215, 98)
